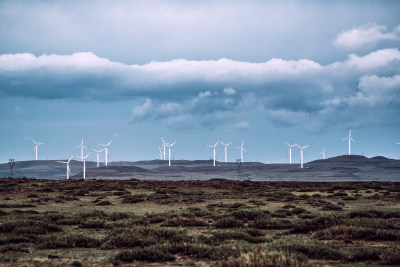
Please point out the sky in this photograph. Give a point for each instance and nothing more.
(195, 71)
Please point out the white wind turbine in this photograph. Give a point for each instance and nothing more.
(169, 152)
(68, 168)
(350, 139)
(36, 146)
(241, 151)
(82, 147)
(290, 151)
(97, 152)
(160, 152)
(226, 150)
(84, 164)
(301, 153)
(163, 145)
(106, 148)
(323, 153)
(213, 147)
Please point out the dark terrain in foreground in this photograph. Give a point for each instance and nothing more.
(341, 168)
(198, 223)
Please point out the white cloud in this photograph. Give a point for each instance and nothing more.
(229, 91)
(367, 35)
(188, 93)
(243, 125)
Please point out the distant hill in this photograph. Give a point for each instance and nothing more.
(340, 168)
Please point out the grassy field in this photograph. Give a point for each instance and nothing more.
(198, 223)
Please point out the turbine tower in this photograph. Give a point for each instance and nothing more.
(82, 147)
(226, 150)
(160, 152)
(350, 139)
(68, 168)
(290, 151)
(241, 151)
(169, 152)
(97, 152)
(84, 165)
(213, 147)
(163, 145)
(301, 153)
(323, 153)
(106, 147)
(36, 146)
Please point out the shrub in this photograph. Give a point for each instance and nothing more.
(220, 236)
(267, 223)
(340, 194)
(358, 233)
(134, 198)
(248, 214)
(200, 251)
(311, 249)
(331, 206)
(28, 226)
(281, 213)
(76, 263)
(184, 222)
(22, 247)
(228, 222)
(68, 241)
(261, 257)
(104, 203)
(143, 236)
(374, 214)
(318, 223)
(144, 254)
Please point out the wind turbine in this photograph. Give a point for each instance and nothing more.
(301, 153)
(84, 165)
(241, 151)
(290, 151)
(226, 150)
(323, 153)
(36, 145)
(82, 147)
(350, 139)
(163, 145)
(68, 168)
(97, 152)
(160, 152)
(213, 147)
(169, 152)
(106, 147)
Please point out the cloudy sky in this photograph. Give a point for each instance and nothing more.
(196, 71)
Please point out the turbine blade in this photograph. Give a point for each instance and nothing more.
(286, 143)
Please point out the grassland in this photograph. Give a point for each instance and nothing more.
(198, 223)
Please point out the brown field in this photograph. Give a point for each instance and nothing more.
(198, 223)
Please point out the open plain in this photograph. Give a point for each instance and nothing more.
(213, 222)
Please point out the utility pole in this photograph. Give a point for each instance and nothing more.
(11, 163)
(239, 163)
